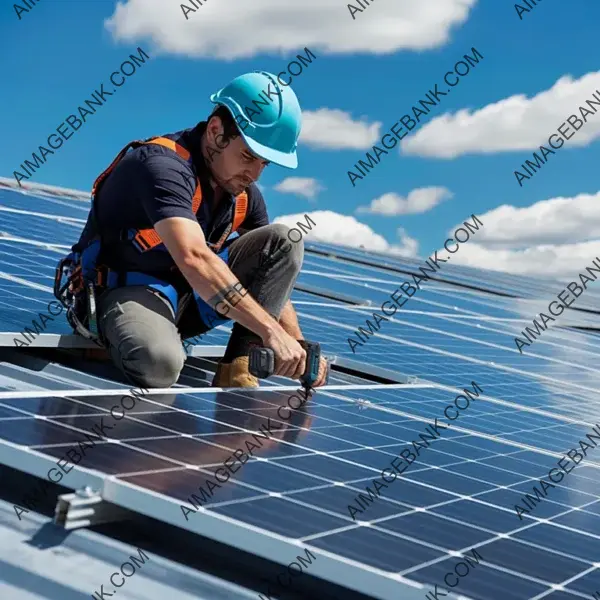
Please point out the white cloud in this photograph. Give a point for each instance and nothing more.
(273, 26)
(556, 238)
(307, 187)
(554, 221)
(334, 228)
(408, 246)
(515, 123)
(332, 129)
(418, 201)
(564, 260)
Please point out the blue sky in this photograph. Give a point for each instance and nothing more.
(372, 69)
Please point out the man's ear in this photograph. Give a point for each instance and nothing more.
(214, 128)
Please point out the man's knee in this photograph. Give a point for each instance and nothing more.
(291, 243)
(155, 364)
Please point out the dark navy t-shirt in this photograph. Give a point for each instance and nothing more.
(152, 183)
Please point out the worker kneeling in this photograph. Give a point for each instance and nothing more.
(172, 243)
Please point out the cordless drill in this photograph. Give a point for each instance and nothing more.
(262, 363)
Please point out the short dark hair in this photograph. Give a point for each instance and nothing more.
(230, 128)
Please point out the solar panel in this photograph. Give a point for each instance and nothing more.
(375, 286)
(298, 482)
(514, 286)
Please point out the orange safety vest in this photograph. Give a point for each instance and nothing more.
(146, 239)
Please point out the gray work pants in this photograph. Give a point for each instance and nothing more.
(141, 330)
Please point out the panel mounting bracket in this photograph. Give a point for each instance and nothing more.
(378, 374)
(86, 507)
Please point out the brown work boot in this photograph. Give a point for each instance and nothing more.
(234, 374)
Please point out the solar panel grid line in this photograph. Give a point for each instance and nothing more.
(413, 272)
(121, 443)
(433, 594)
(76, 222)
(24, 282)
(449, 315)
(407, 509)
(457, 497)
(371, 302)
(27, 332)
(39, 229)
(518, 448)
(566, 582)
(574, 593)
(281, 463)
(67, 426)
(559, 333)
(546, 549)
(403, 508)
(39, 198)
(288, 496)
(310, 303)
(362, 309)
(36, 463)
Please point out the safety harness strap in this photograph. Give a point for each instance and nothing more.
(100, 179)
(146, 239)
(241, 208)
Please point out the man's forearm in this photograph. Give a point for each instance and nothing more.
(289, 321)
(219, 287)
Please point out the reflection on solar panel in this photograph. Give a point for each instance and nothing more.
(293, 492)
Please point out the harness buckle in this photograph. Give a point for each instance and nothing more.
(78, 297)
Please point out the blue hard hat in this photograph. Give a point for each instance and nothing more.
(267, 113)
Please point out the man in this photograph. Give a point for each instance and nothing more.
(158, 241)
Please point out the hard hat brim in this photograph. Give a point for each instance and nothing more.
(283, 159)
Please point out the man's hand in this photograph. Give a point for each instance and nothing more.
(290, 357)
